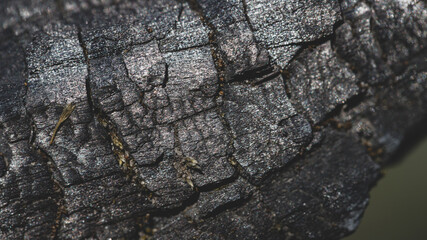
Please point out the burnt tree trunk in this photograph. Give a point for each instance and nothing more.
(205, 119)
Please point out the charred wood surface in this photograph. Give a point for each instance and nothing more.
(203, 119)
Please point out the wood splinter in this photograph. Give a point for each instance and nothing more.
(64, 116)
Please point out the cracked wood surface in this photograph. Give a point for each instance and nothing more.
(207, 119)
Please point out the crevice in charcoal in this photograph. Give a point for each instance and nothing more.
(329, 118)
(175, 211)
(32, 138)
(86, 56)
(126, 162)
(89, 95)
(58, 190)
(145, 222)
(194, 47)
(166, 78)
(230, 148)
(141, 92)
(220, 68)
(82, 44)
(180, 119)
(181, 10)
(313, 44)
(93, 179)
(33, 129)
(245, 12)
(26, 76)
(355, 101)
(213, 186)
(213, 43)
(258, 76)
(285, 77)
(4, 164)
(59, 64)
(156, 163)
(228, 206)
(178, 19)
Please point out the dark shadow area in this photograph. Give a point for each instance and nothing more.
(416, 134)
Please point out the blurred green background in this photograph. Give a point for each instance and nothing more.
(398, 204)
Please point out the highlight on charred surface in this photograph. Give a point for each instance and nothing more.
(208, 119)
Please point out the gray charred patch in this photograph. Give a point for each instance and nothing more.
(319, 82)
(263, 138)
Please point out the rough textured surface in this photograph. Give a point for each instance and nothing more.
(267, 131)
(319, 82)
(207, 119)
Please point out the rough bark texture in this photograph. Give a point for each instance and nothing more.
(204, 119)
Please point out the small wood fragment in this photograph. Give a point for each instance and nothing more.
(64, 116)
